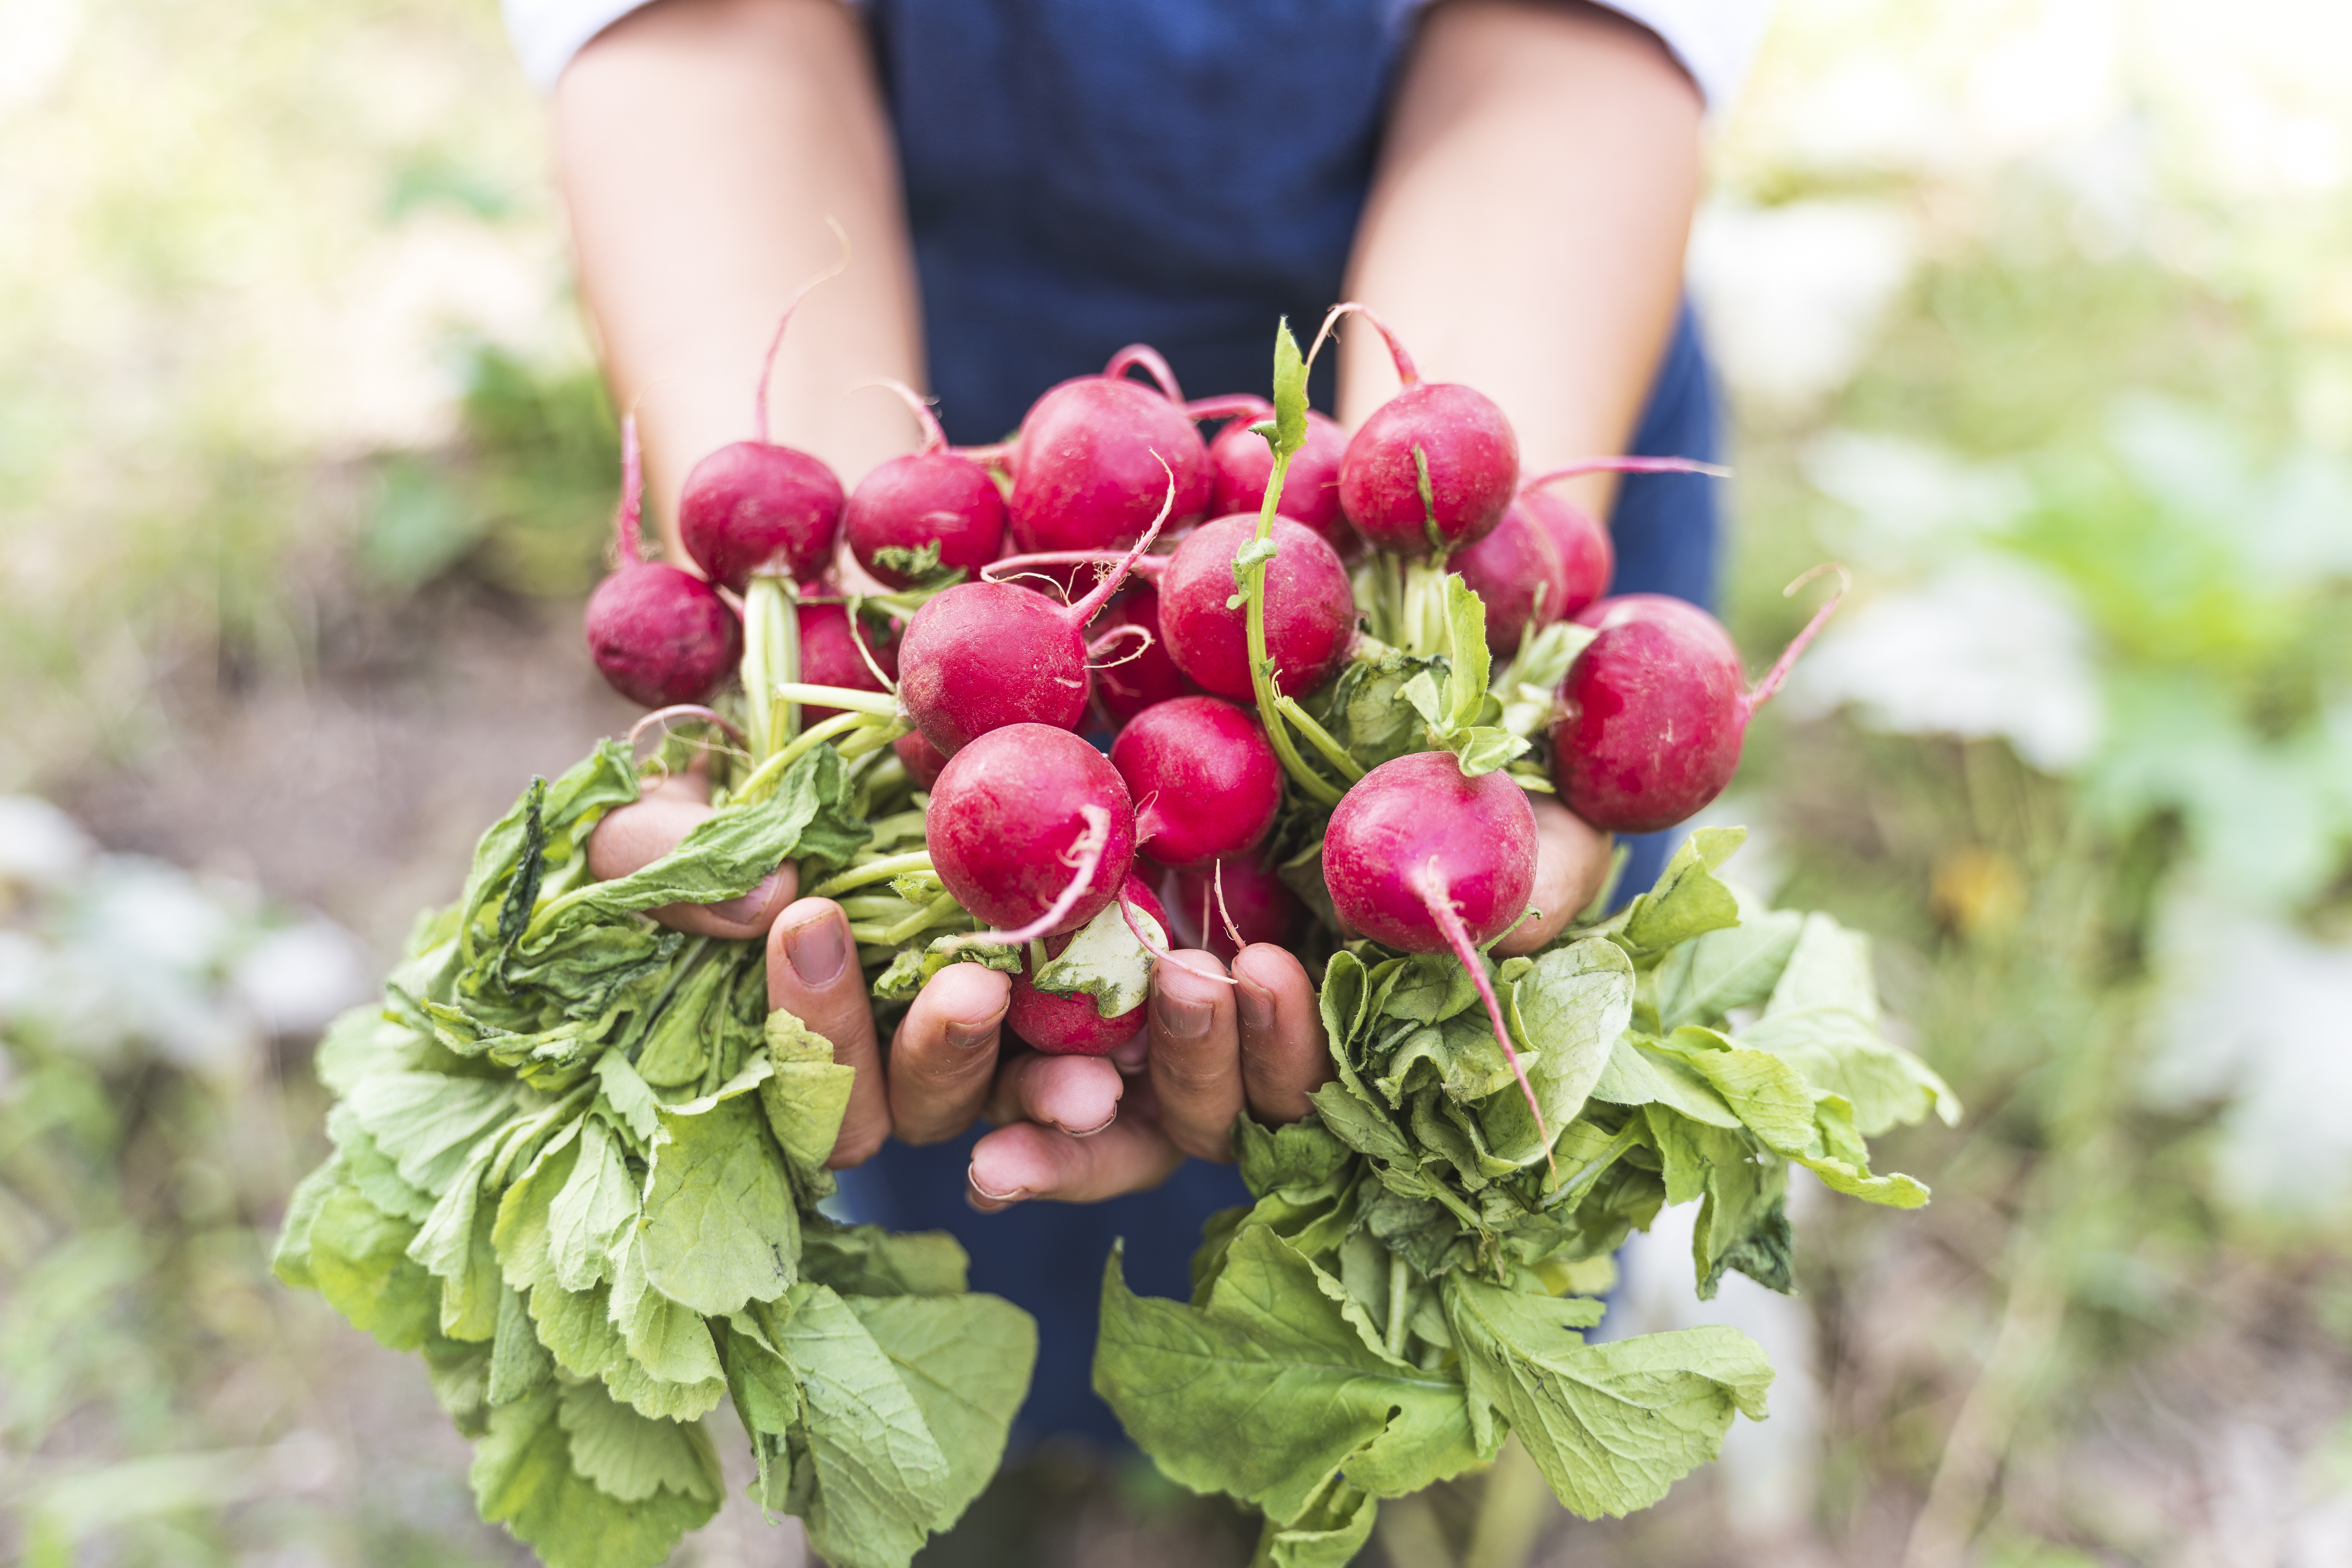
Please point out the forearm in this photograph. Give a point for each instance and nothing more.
(1528, 222)
(702, 144)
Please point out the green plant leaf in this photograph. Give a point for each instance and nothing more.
(1688, 900)
(1289, 391)
(1268, 1390)
(523, 1478)
(1611, 1426)
(720, 1227)
(628, 1456)
(595, 1208)
(1702, 980)
(1105, 961)
(359, 1256)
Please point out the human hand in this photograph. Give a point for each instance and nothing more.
(1571, 862)
(1076, 1129)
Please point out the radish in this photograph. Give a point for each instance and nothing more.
(1310, 608)
(1133, 681)
(830, 656)
(1517, 574)
(1093, 452)
(1073, 1025)
(1652, 712)
(1310, 492)
(1587, 557)
(982, 654)
(930, 500)
(1204, 778)
(661, 636)
(1236, 898)
(1032, 830)
(752, 506)
(1421, 859)
(921, 760)
(1432, 468)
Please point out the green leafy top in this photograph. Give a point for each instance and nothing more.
(578, 1164)
(1395, 1285)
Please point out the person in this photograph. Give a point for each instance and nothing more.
(1027, 186)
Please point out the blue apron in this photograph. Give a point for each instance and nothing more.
(1081, 175)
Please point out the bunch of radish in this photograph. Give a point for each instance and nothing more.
(1152, 674)
(1110, 580)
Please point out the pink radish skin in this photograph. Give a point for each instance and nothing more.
(1243, 465)
(982, 654)
(755, 507)
(1469, 447)
(1063, 1025)
(1205, 780)
(1421, 859)
(1310, 609)
(828, 657)
(1086, 468)
(660, 635)
(921, 760)
(929, 496)
(1653, 712)
(1007, 819)
(1506, 570)
(1127, 682)
(1261, 908)
(1588, 556)
(1584, 543)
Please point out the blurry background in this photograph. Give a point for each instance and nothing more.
(2037, 313)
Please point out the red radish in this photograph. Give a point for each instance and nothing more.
(1127, 682)
(1517, 574)
(1310, 609)
(1653, 713)
(752, 506)
(1205, 780)
(1095, 451)
(1032, 830)
(1259, 907)
(1587, 557)
(1433, 468)
(1421, 859)
(1244, 464)
(921, 760)
(982, 654)
(929, 496)
(829, 656)
(662, 637)
(1073, 1026)
(1584, 543)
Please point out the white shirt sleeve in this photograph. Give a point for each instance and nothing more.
(546, 34)
(1715, 41)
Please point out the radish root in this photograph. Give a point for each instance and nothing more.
(1751, 700)
(1428, 882)
(767, 365)
(1084, 857)
(1131, 913)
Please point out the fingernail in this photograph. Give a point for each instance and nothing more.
(963, 1037)
(1131, 1057)
(752, 905)
(816, 950)
(1090, 1131)
(1255, 1003)
(1014, 1197)
(1181, 1017)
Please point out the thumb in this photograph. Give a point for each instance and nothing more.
(634, 837)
